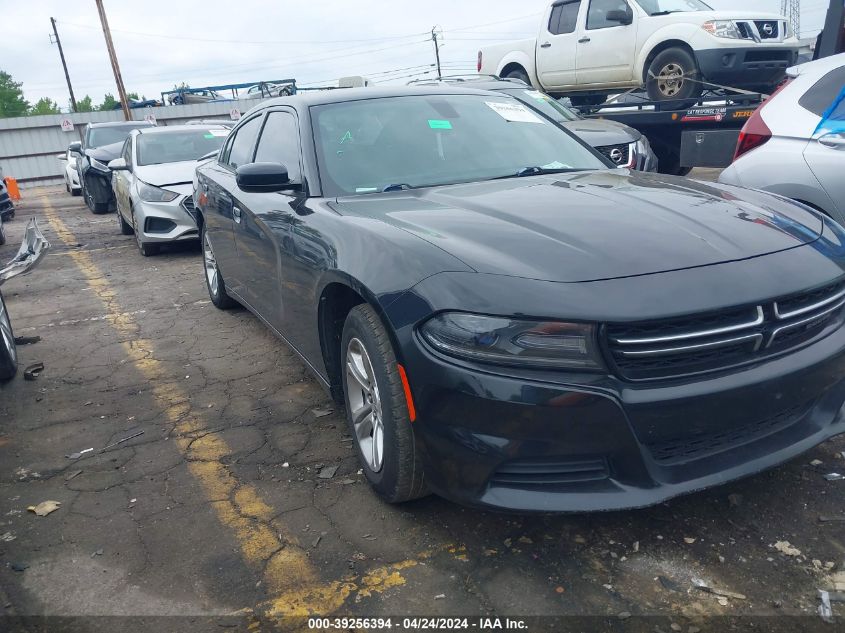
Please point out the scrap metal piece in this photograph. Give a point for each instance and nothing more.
(32, 250)
(33, 371)
(79, 454)
(125, 439)
(825, 610)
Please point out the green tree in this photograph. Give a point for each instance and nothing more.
(133, 96)
(45, 105)
(85, 104)
(109, 102)
(12, 102)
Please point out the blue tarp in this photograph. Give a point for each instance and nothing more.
(833, 120)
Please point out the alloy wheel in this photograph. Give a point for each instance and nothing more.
(362, 396)
(670, 80)
(211, 273)
(6, 337)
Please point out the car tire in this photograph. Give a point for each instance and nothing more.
(2, 233)
(76, 192)
(94, 206)
(672, 76)
(374, 395)
(519, 74)
(125, 227)
(213, 276)
(67, 187)
(8, 350)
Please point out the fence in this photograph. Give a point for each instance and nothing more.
(29, 145)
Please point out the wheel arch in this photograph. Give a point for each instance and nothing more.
(658, 48)
(339, 295)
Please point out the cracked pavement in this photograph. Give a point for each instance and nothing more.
(217, 508)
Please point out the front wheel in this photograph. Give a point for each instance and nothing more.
(125, 227)
(377, 411)
(8, 350)
(673, 75)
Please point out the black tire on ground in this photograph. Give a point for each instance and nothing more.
(217, 288)
(76, 192)
(581, 101)
(2, 234)
(518, 74)
(93, 205)
(8, 352)
(125, 227)
(673, 75)
(401, 477)
(67, 187)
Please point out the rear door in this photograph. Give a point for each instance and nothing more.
(557, 44)
(607, 48)
(825, 153)
(267, 236)
(223, 205)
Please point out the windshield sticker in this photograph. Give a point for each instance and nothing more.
(536, 94)
(435, 124)
(514, 112)
(346, 137)
(214, 133)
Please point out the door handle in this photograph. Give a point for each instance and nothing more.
(834, 141)
(546, 45)
(236, 215)
(584, 40)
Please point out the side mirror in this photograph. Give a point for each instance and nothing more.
(75, 147)
(263, 177)
(118, 164)
(623, 16)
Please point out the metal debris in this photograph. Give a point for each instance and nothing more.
(72, 474)
(825, 610)
(328, 472)
(45, 507)
(722, 593)
(80, 453)
(125, 439)
(33, 371)
(27, 340)
(7, 537)
(321, 413)
(834, 477)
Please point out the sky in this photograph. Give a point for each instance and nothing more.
(162, 43)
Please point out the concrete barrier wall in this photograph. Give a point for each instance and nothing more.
(29, 145)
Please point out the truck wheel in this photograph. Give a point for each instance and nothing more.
(673, 75)
(518, 74)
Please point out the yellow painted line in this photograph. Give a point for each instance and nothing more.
(287, 571)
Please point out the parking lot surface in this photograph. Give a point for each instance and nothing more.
(229, 503)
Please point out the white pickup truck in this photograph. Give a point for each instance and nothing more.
(587, 49)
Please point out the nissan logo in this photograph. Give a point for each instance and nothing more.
(616, 155)
(768, 28)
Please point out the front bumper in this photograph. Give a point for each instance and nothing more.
(166, 221)
(535, 444)
(753, 68)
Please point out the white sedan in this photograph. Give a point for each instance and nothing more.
(152, 182)
(70, 174)
(794, 145)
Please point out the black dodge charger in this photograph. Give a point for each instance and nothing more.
(510, 322)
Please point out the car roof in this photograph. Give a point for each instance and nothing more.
(479, 82)
(121, 124)
(180, 128)
(342, 95)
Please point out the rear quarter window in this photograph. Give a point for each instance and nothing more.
(824, 92)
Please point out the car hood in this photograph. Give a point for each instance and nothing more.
(601, 132)
(106, 153)
(167, 173)
(592, 226)
(737, 15)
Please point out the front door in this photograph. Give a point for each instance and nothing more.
(607, 49)
(557, 45)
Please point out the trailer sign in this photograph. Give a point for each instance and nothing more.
(705, 114)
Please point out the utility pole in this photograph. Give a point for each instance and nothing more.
(434, 36)
(792, 10)
(64, 63)
(121, 91)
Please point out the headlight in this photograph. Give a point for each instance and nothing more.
(723, 28)
(506, 341)
(96, 164)
(149, 193)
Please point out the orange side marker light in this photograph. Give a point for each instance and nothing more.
(412, 412)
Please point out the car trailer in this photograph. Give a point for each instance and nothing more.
(178, 93)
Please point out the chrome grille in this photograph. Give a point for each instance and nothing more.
(768, 29)
(617, 154)
(188, 205)
(711, 342)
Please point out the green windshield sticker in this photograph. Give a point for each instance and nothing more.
(436, 124)
(208, 135)
(346, 137)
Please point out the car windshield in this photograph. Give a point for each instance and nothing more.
(657, 7)
(100, 136)
(174, 147)
(552, 108)
(371, 145)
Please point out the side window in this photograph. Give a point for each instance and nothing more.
(127, 151)
(824, 92)
(564, 17)
(279, 143)
(597, 14)
(240, 150)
